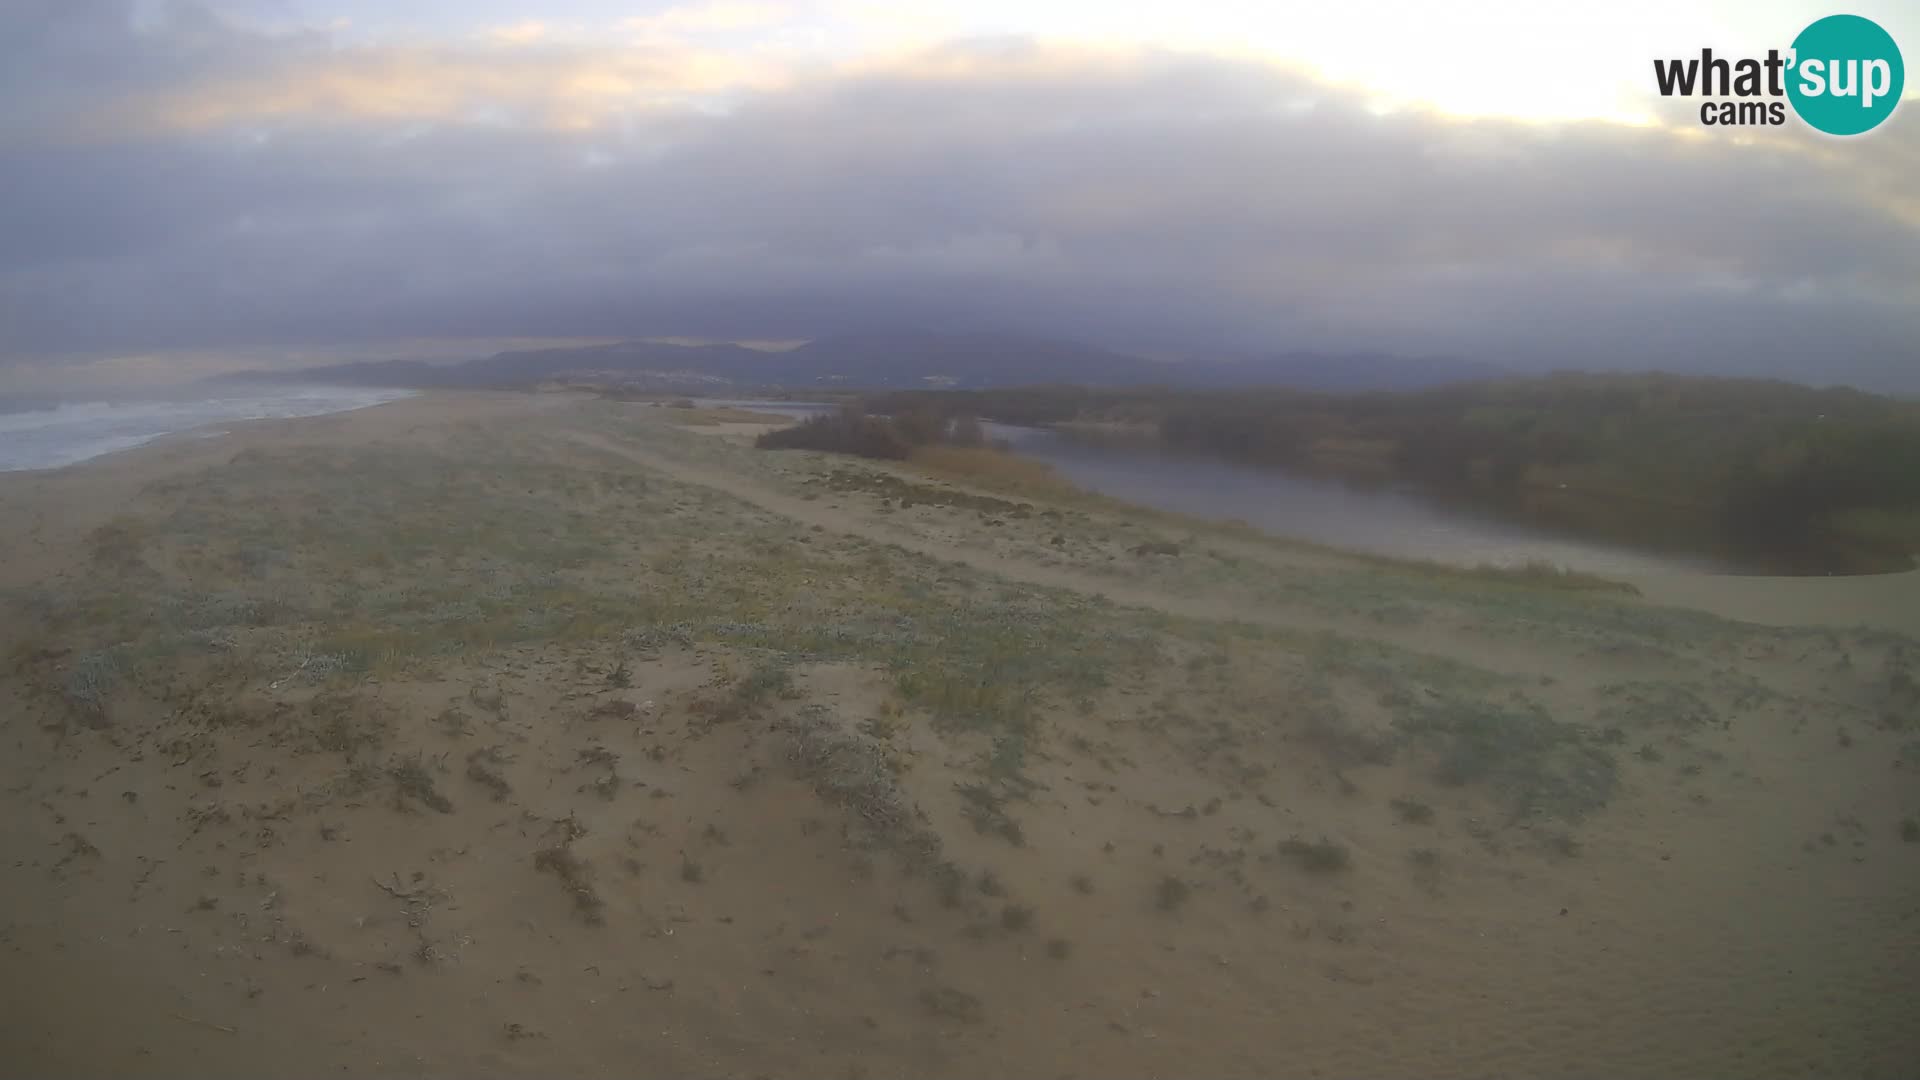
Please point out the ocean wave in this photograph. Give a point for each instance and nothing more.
(63, 433)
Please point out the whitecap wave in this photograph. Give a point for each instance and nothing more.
(73, 431)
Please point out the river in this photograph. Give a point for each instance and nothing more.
(1385, 520)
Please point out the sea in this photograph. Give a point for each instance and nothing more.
(47, 432)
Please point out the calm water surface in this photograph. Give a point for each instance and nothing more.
(1384, 520)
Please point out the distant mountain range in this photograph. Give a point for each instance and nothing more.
(892, 361)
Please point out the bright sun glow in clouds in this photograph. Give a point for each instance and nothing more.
(1535, 60)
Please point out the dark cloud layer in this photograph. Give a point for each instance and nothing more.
(1152, 201)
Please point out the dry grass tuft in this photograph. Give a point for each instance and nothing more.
(1321, 856)
(847, 771)
(998, 470)
(413, 781)
(576, 876)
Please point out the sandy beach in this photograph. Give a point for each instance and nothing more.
(537, 734)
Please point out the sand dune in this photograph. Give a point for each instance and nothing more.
(540, 735)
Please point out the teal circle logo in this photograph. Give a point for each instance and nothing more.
(1847, 75)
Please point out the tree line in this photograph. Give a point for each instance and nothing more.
(1765, 462)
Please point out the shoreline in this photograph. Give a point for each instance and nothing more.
(1599, 519)
(577, 735)
(1889, 600)
(204, 429)
(53, 507)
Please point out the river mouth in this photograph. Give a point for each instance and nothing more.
(1389, 516)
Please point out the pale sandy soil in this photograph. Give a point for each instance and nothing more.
(536, 735)
(1891, 601)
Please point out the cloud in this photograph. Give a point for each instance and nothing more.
(519, 33)
(274, 188)
(719, 16)
(560, 89)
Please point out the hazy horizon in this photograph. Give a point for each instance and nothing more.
(201, 186)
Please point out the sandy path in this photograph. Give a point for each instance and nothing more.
(1425, 639)
(1889, 601)
(1884, 601)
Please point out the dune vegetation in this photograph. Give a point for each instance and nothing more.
(577, 734)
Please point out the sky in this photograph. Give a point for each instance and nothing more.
(191, 185)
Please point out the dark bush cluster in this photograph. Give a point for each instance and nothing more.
(852, 430)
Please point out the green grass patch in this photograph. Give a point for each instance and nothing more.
(1535, 765)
